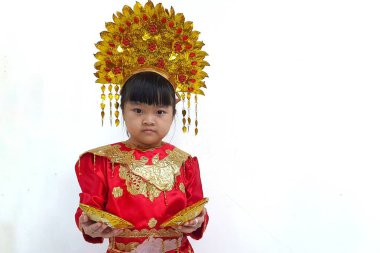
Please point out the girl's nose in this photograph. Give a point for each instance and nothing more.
(148, 120)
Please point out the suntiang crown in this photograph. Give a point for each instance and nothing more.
(150, 38)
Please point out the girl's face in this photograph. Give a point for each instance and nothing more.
(147, 124)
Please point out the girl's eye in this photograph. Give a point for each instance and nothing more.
(137, 110)
(161, 112)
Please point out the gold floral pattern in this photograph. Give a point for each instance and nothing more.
(152, 223)
(117, 192)
(135, 184)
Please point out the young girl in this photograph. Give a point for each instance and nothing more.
(142, 180)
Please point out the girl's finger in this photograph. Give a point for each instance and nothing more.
(85, 218)
(112, 233)
(95, 227)
(186, 230)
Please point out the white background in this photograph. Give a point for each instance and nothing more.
(289, 127)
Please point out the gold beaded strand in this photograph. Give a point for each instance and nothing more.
(102, 104)
(110, 96)
(184, 129)
(116, 113)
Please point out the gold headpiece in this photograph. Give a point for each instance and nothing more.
(150, 38)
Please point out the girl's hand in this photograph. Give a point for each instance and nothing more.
(192, 225)
(97, 229)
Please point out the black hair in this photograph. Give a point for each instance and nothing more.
(149, 88)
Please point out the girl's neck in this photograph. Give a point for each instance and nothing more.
(133, 144)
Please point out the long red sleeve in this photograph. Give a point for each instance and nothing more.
(194, 191)
(91, 175)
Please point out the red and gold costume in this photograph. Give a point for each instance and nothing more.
(144, 187)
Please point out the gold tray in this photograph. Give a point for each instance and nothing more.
(186, 214)
(111, 220)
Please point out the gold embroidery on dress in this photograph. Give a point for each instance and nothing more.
(117, 192)
(135, 184)
(116, 155)
(182, 187)
(162, 233)
(116, 247)
(127, 247)
(151, 180)
(152, 223)
(161, 173)
(112, 152)
(142, 178)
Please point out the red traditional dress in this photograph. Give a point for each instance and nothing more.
(144, 187)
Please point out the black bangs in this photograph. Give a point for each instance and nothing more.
(148, 88)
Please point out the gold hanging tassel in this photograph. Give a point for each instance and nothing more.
(113, 168)
(166, 202)
(196, 114)
(102, 104)
(184, 129)
(188, 112)
(117, 96)
(110, 96)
